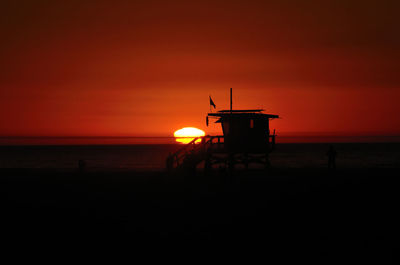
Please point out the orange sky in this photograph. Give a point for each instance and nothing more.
(130, 68)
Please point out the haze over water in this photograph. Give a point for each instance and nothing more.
(152, 157)
(286, 138)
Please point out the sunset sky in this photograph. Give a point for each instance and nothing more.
(147, 68)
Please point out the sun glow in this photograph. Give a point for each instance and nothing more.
(187, 134)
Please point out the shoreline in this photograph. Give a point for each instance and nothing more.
(342, 215)
(273, 171)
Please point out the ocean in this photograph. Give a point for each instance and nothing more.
(151, 157)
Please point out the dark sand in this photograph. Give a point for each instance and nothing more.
(303, 215)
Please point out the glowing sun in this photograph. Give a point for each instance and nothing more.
(187, 134)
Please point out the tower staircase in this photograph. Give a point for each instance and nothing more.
(212, 150)
(193, 153)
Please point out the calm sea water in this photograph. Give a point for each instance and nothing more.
(152, 156)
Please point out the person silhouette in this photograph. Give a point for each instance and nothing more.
(331, 157)
(170, 162)
(81, 165)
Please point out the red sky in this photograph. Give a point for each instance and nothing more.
(131, 68)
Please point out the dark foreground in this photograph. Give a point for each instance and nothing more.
(313, 216)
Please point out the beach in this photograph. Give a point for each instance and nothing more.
(314, 215)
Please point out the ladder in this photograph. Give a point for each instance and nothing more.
(192, 154)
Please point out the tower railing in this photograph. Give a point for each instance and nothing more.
(195, 151)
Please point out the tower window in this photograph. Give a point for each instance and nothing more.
(251, 123)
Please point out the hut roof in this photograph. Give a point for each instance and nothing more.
(243, 113)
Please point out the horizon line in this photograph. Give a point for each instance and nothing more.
(284, 135)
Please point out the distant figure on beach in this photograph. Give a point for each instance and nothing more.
(331, 157)
(170, 162)
(81, 165)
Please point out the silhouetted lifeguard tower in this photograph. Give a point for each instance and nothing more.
(246, 139)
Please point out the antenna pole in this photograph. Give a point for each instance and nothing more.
(231, 101)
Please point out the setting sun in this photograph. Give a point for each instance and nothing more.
(187, 134)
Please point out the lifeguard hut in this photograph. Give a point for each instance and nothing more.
(246, 139)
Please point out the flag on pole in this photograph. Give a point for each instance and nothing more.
(212, 103)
